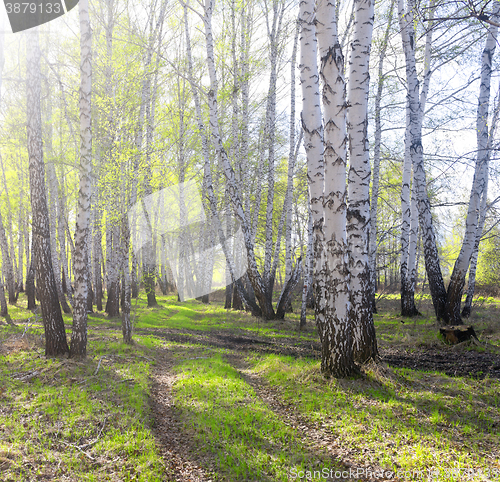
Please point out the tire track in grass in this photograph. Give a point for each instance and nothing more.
(176, 445)
(242, 437)
(318, 438)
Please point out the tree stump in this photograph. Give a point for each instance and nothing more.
(457, 333)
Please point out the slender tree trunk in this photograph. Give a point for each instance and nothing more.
(308, 272)
(53, 191)
(376, 160)
(292, 157)
(433, 268)
(7, 268)
(287, 205)
(466, 311)
(55, 333)
(126, 323)
(10, 255)
(358, 213)
(457, 281)
(30, 287)
(81, 253)
(409, 207)
(61, 235)
(261, 292)
(273, 33)
(4, 311)
(113, 275)
(97, 252)
(20, 247)
(7, 265)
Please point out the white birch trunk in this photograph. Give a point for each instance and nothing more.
(292, 157)
(273, 34)
(82, 238)
(433, 268)
(471, 283)
(408, 208)
(55, 333)
(7, 265)
(327, 183)
(457, 281)
(358, 213)
(308, 272)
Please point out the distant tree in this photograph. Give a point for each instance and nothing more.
(7, 267)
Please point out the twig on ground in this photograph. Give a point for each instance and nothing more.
(81, 447)
(82, 451)
(98, 365)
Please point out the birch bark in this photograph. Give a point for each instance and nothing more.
(326, 160)
(457, 280)
(408, 207)
(308, 272)
(273, 34)
(433, 268)
(55, 333)
(358, 212)
(80, 262)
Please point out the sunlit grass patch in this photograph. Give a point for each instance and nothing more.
(398, 419)
(62, 419)
(247, 440)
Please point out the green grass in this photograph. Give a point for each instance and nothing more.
(398, 419)
(89, 420)
(73, 421)
(247, 440)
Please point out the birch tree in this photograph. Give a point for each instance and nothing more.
(7, 266)
(82, 238)
(326, 161)
(358, 213)
(479, 184)
(433, 268)
(376, 158)
(55, 333)
(409, 207)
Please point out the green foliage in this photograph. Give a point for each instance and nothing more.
(488, 266)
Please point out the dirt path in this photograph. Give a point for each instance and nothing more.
(176, 443)
(316, 436)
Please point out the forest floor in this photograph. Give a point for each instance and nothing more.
(206, 394)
